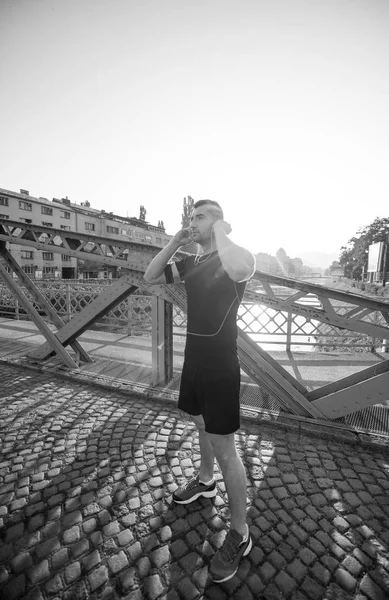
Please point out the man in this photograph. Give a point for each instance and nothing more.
(210, 382)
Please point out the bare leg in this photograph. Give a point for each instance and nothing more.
(234, 476)
(206, 451)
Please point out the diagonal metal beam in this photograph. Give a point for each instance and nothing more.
(52, 341)
(346, 382)
(262, 370)
(353, 398)
(291, 299)
(110, 297)
(40, 299)
(386, 316)
(355, 311)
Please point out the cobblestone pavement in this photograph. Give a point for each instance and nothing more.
(86, 477)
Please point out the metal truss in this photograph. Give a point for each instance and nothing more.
(335, 308)
(119, 253)
(338, 309)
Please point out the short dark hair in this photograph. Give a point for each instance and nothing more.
(217, 209)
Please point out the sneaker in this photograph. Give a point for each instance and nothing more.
(226, 561)
(193, 490)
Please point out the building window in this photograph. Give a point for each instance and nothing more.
(3, 201)
(64, 214)
(65, 227)
(158, 240)
(66, 257)
(90, 226)
(27, 254)
(29, 270)
(148, 238)
(47, 256)
(46, 210)
(26, 220)
(124, 231)
(4, 216)
(49, 269)
(46, 224)
(112, 229)
(139, 235)
(25, 205)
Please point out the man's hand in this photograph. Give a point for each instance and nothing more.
(184, 236)
(222, 226)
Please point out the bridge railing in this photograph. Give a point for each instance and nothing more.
(270, 328)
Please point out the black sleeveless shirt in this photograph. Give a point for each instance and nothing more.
(213, 302)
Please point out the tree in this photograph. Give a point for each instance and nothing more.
(281, 255)
(187, 210)
(291, 267)
(298, 266)
(354, 256)
(142, 213)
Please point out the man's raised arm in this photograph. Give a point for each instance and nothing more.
(155, 271)
(238, 262)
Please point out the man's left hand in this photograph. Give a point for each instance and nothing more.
(222, 226)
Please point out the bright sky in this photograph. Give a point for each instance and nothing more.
(278, 109)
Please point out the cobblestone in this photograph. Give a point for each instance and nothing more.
(97, 521)
(98, 577)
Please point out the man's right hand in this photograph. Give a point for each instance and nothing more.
(183, 237)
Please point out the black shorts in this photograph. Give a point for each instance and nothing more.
(210, 386)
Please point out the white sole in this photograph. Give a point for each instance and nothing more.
(210, 494)
(245, 553)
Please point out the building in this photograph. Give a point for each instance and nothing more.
(80, 218)
(291, 267)
(267, 263)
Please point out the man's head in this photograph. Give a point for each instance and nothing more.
(205, 214)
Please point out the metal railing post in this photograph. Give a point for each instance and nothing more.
(68, 302)
(129, 315)
(289, 332)
(162, 341)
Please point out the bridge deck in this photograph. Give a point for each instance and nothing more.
(127, 358)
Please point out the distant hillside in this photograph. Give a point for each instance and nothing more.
(318, 259)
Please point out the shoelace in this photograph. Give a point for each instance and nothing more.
(193, 483)
(230, 548)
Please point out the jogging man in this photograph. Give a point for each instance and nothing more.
(210, 382)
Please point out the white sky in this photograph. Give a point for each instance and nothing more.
(278, 109)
